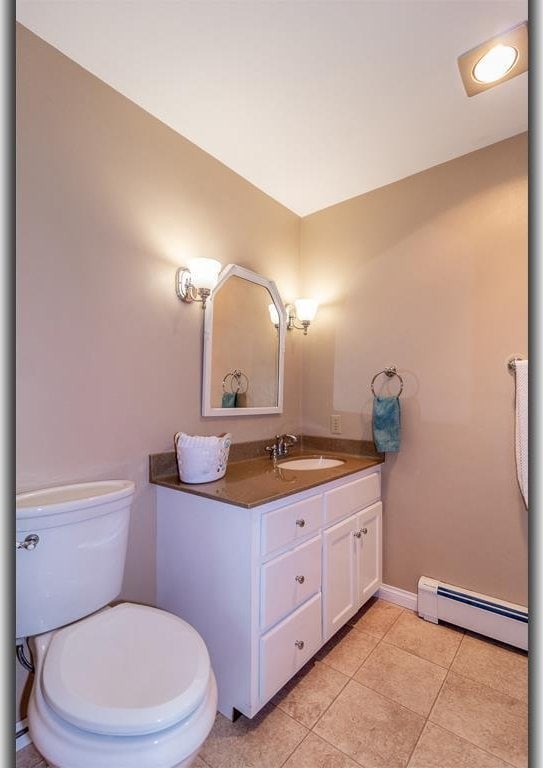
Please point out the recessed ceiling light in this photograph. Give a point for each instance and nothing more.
(495, 63)
(496, 60)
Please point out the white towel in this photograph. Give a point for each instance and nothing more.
(521, 426)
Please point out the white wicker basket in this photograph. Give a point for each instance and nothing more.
(202, 459)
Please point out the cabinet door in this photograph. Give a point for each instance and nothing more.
(339, 575)
(369, 548)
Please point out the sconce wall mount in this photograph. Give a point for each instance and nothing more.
(195, 282)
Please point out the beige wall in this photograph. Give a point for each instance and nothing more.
(430, 274)
(109, 203)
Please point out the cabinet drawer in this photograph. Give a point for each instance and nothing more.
(280, 657)
(285, 525)
(351, 497)
(289, 580)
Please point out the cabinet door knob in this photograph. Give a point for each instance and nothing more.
(358, 534)
(364, 531)
(300, 579)
(299, 644)
(300, 523)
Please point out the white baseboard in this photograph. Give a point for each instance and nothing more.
(24, 739)
(398, 596)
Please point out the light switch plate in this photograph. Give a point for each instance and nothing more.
(335, 424)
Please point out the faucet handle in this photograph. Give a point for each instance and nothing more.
(272, 450)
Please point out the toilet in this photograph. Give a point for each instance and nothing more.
(123, 686)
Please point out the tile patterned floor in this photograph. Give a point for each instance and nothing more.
(388, 691)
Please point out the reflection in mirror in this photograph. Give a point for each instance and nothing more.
(243, 348)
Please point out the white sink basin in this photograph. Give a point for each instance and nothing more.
(319, 462)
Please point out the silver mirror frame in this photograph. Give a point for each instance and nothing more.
(233, 270)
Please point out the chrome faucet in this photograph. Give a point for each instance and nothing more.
(281, 445)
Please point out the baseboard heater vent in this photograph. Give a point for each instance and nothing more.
(485, 615)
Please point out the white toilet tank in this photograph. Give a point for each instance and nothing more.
(75, 566)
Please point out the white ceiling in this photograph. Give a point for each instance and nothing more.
(313, 101)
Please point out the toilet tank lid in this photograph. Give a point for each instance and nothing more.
(128, 670)
(64, 498)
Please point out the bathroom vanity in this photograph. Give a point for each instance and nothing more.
(268, 565)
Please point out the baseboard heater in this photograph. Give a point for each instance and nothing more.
(507, 622)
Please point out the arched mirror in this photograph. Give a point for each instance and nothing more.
(244, 343)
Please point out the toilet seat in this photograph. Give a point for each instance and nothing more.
(128, 670)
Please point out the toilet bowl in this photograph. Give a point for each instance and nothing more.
(128, 686)
(117, 687)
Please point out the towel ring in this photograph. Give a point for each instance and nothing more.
(390, 372)
(233, 381)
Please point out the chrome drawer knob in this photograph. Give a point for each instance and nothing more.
(299, 644)
(300, 579)
(300, 523)
(364, 531)
(358, 534)
(30, 542)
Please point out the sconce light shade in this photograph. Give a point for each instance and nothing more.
(204, 272)
(274, 314)
(306, 309)
(195, 282)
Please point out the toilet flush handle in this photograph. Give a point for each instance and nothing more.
(30, 542)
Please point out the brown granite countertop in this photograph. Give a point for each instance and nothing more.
(250, 482)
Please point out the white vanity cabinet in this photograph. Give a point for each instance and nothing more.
(267, 586)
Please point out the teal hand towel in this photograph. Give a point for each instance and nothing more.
(386, 424)
(229, 399)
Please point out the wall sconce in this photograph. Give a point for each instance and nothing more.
(303, 310)
(274, 314)
(196, 281)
